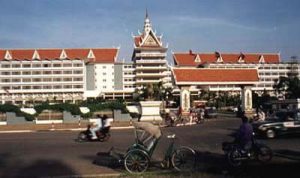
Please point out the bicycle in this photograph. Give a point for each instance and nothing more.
(137, 158)
(181, 159)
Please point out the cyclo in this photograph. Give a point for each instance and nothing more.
(138, 156)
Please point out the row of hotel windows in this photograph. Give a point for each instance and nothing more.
(47, 72)
(41, 65)
(34, 87)
(41, 80)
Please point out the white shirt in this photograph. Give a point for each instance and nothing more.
(107, 122)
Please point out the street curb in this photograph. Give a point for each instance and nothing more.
(81, 129)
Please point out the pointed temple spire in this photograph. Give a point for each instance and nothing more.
(147, 24)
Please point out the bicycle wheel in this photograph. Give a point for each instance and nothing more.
(136, 161)
(264, 154)
(184, 159)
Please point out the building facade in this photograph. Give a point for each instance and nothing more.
(149, 58)
(269, 67)
(60, 75)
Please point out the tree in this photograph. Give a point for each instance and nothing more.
(289, 86)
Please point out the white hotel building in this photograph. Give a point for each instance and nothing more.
(69, 75)
(59, 75)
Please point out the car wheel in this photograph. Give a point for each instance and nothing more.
(270, 133)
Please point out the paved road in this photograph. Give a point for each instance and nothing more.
(47, 154)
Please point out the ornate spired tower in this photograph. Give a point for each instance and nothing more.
(149, 57)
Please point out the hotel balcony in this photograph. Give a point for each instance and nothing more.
(151, 55)
(143, 81)
(151, 68)
(145, 61)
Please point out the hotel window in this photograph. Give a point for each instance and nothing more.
(16, 73)
(56, 79)
(26, 73)
(36, 80)
(16, 87)
(5, 66)
(47, 72)
(56, 72)
(16, 65)
(47, 79)
(56, 65)
(68, 72)
(104, 86)
(16, 80)
(104, 73)
(46, 65)
(67, 86)
(26, 65)
(67, 79)
(36, 65)
(77, 71)
(26, 80)
(67, 65)
(26, 87)
(57, 87)
(37, 87)
(77, 65)
(104, 80)
(6, 88)
(36, 72)
(103, 67)
(77, 79)
(78, 86)
(5, 73)
(5, 80)
(47, 87)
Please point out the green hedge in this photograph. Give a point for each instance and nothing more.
(72, 108)
(12, 108)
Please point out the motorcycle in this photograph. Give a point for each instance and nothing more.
(236, 155)
(102, 135)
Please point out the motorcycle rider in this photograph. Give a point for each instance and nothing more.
(245, 134)
(98, 126)
(106, 124)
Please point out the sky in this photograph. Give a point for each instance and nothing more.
(254, 26)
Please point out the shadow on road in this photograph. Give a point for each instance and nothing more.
(39, 168)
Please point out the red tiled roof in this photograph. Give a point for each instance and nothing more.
(49, 53)
(2, 54)
(105, 55)
(188, 59)
(21, 54)
(137, 40)
(102, 55)
(215, 75)
(77, 53)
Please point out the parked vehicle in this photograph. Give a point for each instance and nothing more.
(210, 112)
(236, 155)
(283, 122)
(86, 135)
